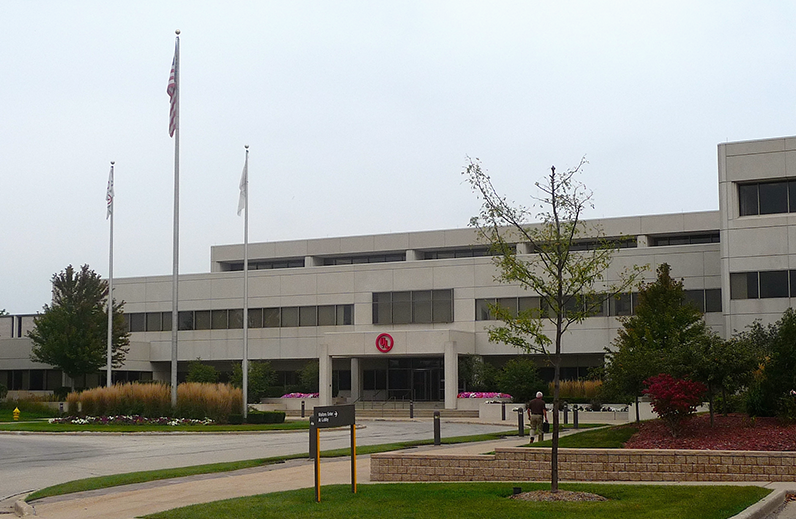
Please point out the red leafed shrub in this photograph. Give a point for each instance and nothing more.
(674, 399)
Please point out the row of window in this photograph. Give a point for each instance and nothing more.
(271, 264)
(763, 285)
(685, 239)
(767, 197)
(280, 317)
(365, 258)
(708, 300)
(416, 306)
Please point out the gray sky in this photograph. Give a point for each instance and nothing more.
(360, 116)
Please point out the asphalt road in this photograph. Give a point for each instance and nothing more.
(32, 461)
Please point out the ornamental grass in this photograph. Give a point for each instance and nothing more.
(194, 400)
(578, 389)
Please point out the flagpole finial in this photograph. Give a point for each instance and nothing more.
(177, 32)
(246, 146)
(113, 162)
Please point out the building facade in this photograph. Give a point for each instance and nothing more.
(388, 316)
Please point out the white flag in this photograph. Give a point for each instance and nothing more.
(109, 195)
(244, 185)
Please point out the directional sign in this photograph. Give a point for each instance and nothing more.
(334, 416)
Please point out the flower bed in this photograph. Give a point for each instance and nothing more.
(300, 395)
(128, 420)
(479, 394)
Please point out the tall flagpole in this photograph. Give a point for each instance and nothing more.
(109, 214)
(174, 130)
(243, 203)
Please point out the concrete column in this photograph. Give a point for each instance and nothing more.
(356, 392)
(324, 375)
(524, 248)
(642, 240)
(312, 261)
(413, 255)
(451, 375)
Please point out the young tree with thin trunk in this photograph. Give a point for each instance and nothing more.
(570, 283)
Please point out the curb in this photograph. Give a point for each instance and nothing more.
(23, 509)
(765, 506)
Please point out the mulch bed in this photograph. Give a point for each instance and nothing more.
(732, 432)
(561, 495)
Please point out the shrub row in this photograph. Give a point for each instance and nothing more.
(258, 417)
(194, 400)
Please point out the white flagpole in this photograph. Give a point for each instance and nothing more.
(109, 198)
(176, 248)
(245, 366)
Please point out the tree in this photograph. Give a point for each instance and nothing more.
(72, 333)
(520, 378)
(476, 375)
(565, 280)
(665, 335)
(309, 377)
(261, 377)
(201, 372)
(674, 399)
(3, 312)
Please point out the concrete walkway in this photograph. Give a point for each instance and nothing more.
(132, 501)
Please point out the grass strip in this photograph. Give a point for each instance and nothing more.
(480, 501)
(603, 438)
(96, 483)
(44, 426)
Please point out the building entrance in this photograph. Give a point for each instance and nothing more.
(403, 379)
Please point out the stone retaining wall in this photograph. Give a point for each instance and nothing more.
(533, 464)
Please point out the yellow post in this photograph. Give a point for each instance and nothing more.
(16, 413)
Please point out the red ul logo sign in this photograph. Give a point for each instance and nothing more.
(384, 342)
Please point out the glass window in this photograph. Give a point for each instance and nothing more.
(482, 312)
(596, 305)
(509, 304)
(219, 320)
(186, 321)
(572, 305)
(401, 307)
(382, 308)
(290, 316)
(137, 322)
(308, 316)
(696, 298)
(255, 317)
(774, 283)
(713, 300)
(345, 315)
(166, 321)
(326, 315)
(443, 306)
(421, 306)
(622, 305)
(235, 318)
(271, 318)
(528, 303)
(792, 196)
(201, 320)
(773, 197)
(153, 321)
(747, 199)
(743, 285)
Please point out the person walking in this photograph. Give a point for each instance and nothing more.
(537, 415)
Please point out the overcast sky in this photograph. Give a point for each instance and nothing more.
(360, 117)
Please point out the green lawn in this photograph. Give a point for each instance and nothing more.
(603, 438)
(480, 501)
(43, 426)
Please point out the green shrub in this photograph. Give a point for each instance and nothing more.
(235, 419)
(3, 391)
(199, 372)
(60, 393)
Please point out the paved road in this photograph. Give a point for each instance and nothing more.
(32, 461)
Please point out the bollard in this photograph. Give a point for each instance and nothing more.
(411, 409)
(16, 413)
(566, 415)
(61, 407)
(302, 408)
(517, 490)
(520, 422)
(503, 411)
(575, 418)
(437, 440)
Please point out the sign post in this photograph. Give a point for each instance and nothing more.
(327, 417)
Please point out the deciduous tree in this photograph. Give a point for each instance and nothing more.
(71, 334)
(570, 284)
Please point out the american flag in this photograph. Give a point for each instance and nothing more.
(173, 92)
